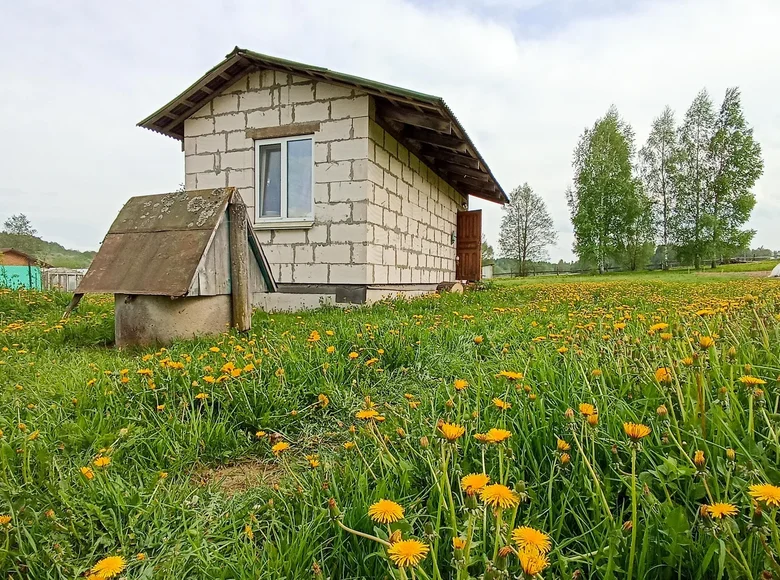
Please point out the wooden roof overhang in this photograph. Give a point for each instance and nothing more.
(423, 123)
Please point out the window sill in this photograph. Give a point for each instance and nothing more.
(284, 225)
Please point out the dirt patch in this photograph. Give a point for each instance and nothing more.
(239, 477)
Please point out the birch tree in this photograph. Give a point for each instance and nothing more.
(603, 182)
(659, 160)
(526, 228)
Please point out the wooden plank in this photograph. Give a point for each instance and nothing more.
(239, 256)
(464, 171)
(433, 138)
(222, 267)
(450, 157)
(485, 185)
(72, 304)
(415, 118)
(284, 131)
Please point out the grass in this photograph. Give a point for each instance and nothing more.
(609, 507)
(762, 266)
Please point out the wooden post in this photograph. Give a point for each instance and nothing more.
(72, 304)
(239, 270)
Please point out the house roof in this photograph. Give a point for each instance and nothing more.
(156, 243)
(421, 122)
(29, 257)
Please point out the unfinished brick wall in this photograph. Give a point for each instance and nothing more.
(414, 214)
(381, 216)
(218, 153)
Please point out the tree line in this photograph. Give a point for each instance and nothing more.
(686, 193)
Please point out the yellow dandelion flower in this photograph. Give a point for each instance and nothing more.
(766, 493)
(108, 567)
(587, 409)
(367, 414)
(458, 543)
(563, 445)
(461, 384)
(532, 562)
(323, 400)
(503, 405)
(531, 539)
(202, 396)
(451, 432)
(636, 431)
(497, 435)
(698, 458)
(385, 511)
(706, 342)
(102, 462)
(87, 472)
(511, 375)
(478, 340)
(751, 381)
(663, 375)
(5, 520)
(499, 496)
(280, 448)
(474, 482)
(407, 553)
(353, 355)
(720, 510)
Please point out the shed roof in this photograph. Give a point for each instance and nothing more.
(156, 243)
(423, 123)
(29, 257)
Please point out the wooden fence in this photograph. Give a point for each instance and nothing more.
(64, 279)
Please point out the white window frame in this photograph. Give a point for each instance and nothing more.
(283, 220)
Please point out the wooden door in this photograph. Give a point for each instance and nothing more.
(468, 247)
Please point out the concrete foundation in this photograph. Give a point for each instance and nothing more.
(159, 320)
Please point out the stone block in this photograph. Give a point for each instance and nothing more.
(359, 254)
(225, 104)
(311, 112)
(278, 253)
(380, 274)
(321, 193)
(321, 152)
(310, 273)
(237, 141)
(349, 191)
(256, 100)
(343, 108)
(333, 212)
(381, 197)
(359, 211)
(348, 274)
(241, 177)
(264, 236)
(376, 133)
(286, 114)
(406, 276)
(327, 91)
(393, 275)
(401, 257)
(333, 130)
(290, 237)
(330, 172)
(231, 122)
(193, 127)
(333, 254)
(237, 160)
(348, 233)
(211, 180)
(304, 254)
(360, 169)
(285, 274)
(360, 127)
(211, 143)
(262, 119)
(199, 163)
(391, 145)
(303, 93)
(317, 234)
(349, 149)
(189, 145)
(382, 158)
(190, 182)
(389, 219)
(374, 214)
(388, 257)
(376, 174)
(255, 80)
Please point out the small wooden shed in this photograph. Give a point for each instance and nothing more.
(179, 265)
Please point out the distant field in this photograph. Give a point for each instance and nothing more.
(266, 456)
(763, 266)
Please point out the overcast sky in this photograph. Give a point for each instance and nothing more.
(523, 76)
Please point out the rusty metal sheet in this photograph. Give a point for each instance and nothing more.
(156, 243)
(183, 210)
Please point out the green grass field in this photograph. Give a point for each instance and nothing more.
(261, 456)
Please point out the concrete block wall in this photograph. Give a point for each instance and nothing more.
(218, 153)
(413, 214)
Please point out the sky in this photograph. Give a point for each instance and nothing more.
(524, 77)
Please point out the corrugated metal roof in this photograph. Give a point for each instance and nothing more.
(474, 177)
(156, 243)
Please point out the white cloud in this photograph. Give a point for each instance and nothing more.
(80, 76)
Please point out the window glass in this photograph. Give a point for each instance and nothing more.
(299, 168)
(271, 180)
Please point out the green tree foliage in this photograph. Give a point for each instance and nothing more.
(659, 159)
(604, 203)
(737, 165)
(693, 180)
(488, 254)
(526, 228)
(20, 225)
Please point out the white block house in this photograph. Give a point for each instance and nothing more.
(357, 189)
